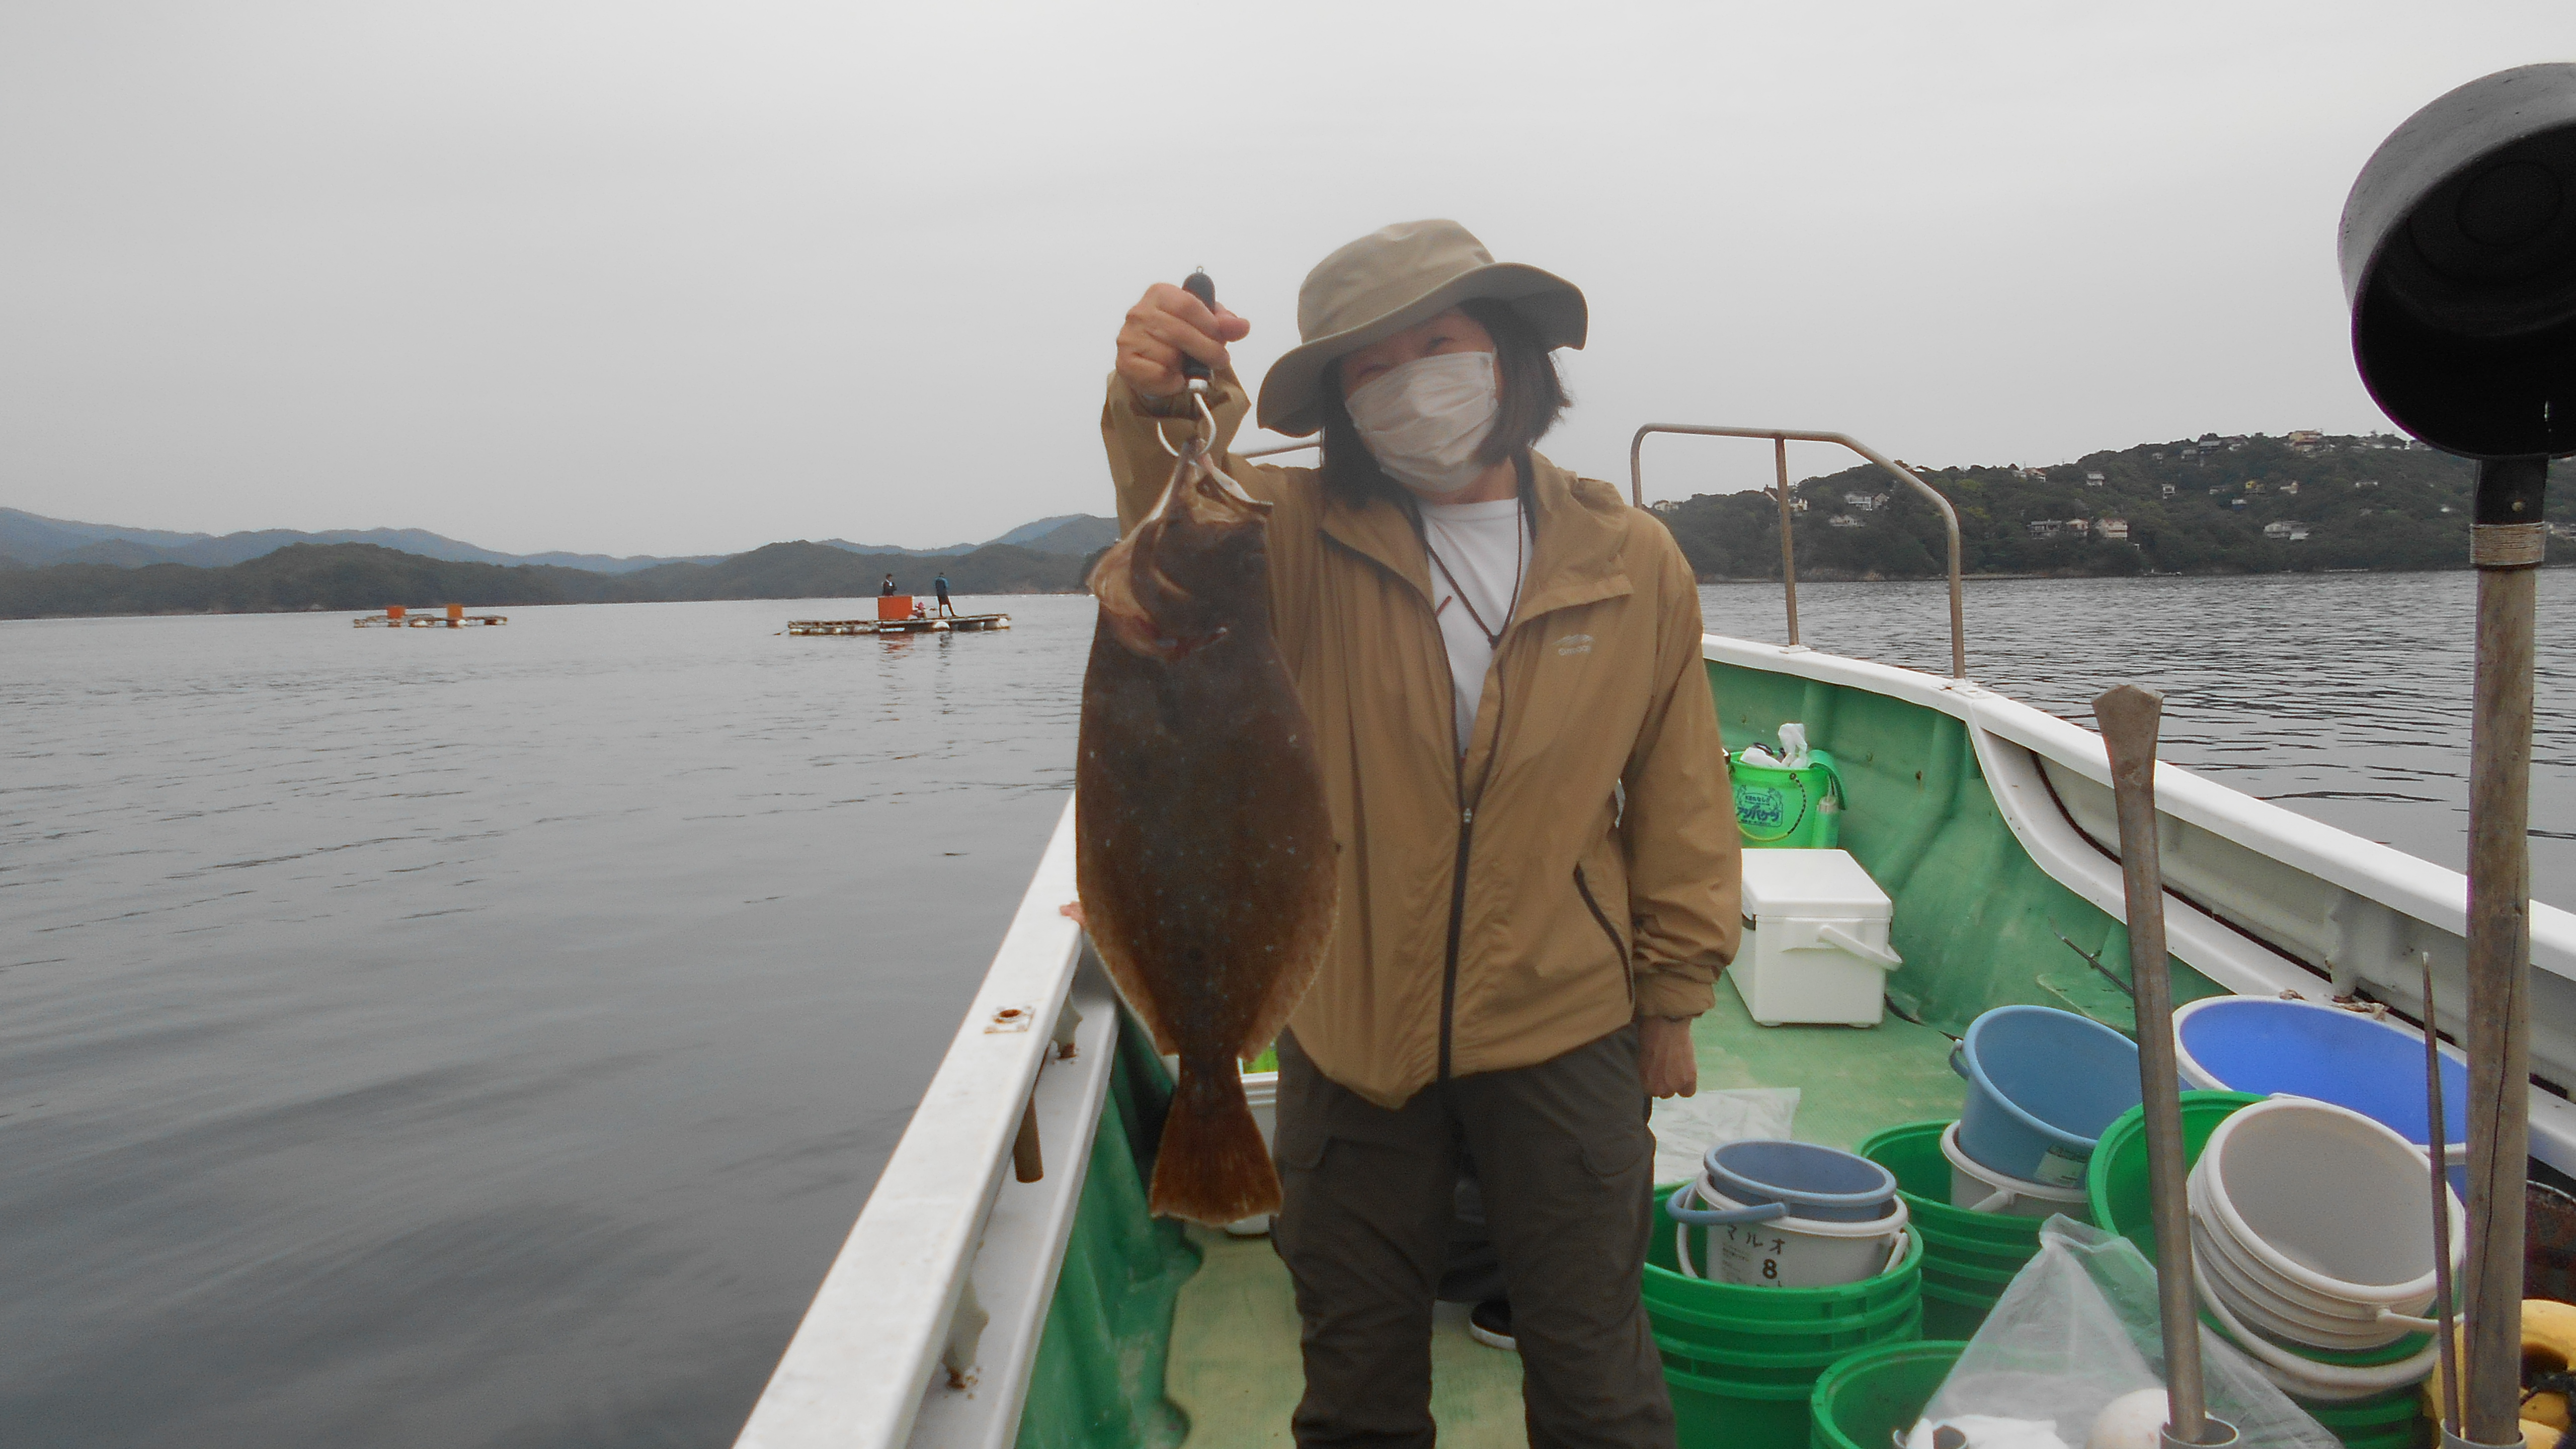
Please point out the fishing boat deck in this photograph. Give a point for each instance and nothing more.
(1234, 1369)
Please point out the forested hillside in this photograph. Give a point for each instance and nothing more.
(364, 577)
(2252, 504)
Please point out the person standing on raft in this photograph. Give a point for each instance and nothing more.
(1539, 856)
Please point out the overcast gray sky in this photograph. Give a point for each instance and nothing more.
(661, 278)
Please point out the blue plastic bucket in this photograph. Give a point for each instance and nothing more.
(1773, 1177)
(2042, 1084)
(2268, 1046)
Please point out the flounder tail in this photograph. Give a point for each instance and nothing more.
(1212, 1167)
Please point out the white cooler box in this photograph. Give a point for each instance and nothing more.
(1815, 940)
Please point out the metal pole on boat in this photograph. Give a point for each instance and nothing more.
(1788, 550)
(2129, 716)
(2458, 254)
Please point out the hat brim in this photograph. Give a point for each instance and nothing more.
(1291, 395)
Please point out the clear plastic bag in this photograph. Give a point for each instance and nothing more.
(2078, 1330)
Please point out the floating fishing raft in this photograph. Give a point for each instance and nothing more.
(396, 616)
(902, 614)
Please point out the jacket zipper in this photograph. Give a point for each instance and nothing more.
(1627, 968)
(1457, 925)
(1467, 812)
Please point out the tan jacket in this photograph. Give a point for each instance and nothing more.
(1576, 915)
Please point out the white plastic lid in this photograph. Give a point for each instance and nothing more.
(1825, 883)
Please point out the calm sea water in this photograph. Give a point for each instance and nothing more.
(487, 1037)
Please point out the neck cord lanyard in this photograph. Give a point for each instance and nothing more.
(1493, 636)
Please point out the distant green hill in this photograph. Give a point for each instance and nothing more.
(363, 577)
(2199, 505)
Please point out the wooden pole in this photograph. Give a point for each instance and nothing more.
(2507, 545)
(2129, 717)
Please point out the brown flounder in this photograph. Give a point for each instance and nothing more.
(1203, 846)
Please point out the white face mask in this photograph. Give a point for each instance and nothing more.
(1425, 420)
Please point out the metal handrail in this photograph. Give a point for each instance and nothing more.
(1781, 438)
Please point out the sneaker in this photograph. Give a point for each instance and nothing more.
(1490, 1323)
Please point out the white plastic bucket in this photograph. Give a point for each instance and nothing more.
(1795, 1252)
(2310, 1223)
(1981, 1189)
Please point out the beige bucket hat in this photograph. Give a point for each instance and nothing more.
(1389, 280)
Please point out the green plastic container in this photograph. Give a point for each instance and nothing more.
(2116, 1178)
(1954, 1313)
(1791, 809)
(1969, 1258)
(1742, 1361)
(1712, 1413)
(2393, 1420)
(1867, 1399)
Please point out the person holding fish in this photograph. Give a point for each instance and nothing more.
(1442, 792)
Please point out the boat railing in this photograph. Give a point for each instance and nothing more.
(925, 1328)
(1781, 438)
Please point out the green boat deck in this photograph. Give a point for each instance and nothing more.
(1233, 1371)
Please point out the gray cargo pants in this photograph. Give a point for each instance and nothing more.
(1565, 1160)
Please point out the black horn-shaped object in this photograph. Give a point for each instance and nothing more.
(2459, 264)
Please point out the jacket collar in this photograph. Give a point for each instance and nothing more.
(1577, 559)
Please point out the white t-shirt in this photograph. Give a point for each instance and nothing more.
(1487, 547)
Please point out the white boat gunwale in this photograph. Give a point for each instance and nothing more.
(864, 1367)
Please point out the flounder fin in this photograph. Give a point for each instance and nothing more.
(1212, 1167)
(1113, 583)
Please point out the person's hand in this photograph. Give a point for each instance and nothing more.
(1166, 325)
(1665, 1060)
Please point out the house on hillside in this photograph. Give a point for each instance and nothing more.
(1865, 502)
(1667, 505)
(2291, 489)
(2168, 493)
(2255, 485)
(2160, 457)
(1845, 520)
(2373, 483)
(2116, 530)
(1797, 503)
(2094, 480)
(2050, 528)
(2080, 527)
(2290, 529)
(2299, 436)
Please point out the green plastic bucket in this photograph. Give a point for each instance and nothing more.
(2393, 1420)
(1792, 809)
(1954, 1313)
(2116, 1178)
(1718, 1413)
(1867, 1399)
(1741, 1361)
(1969, 1258)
